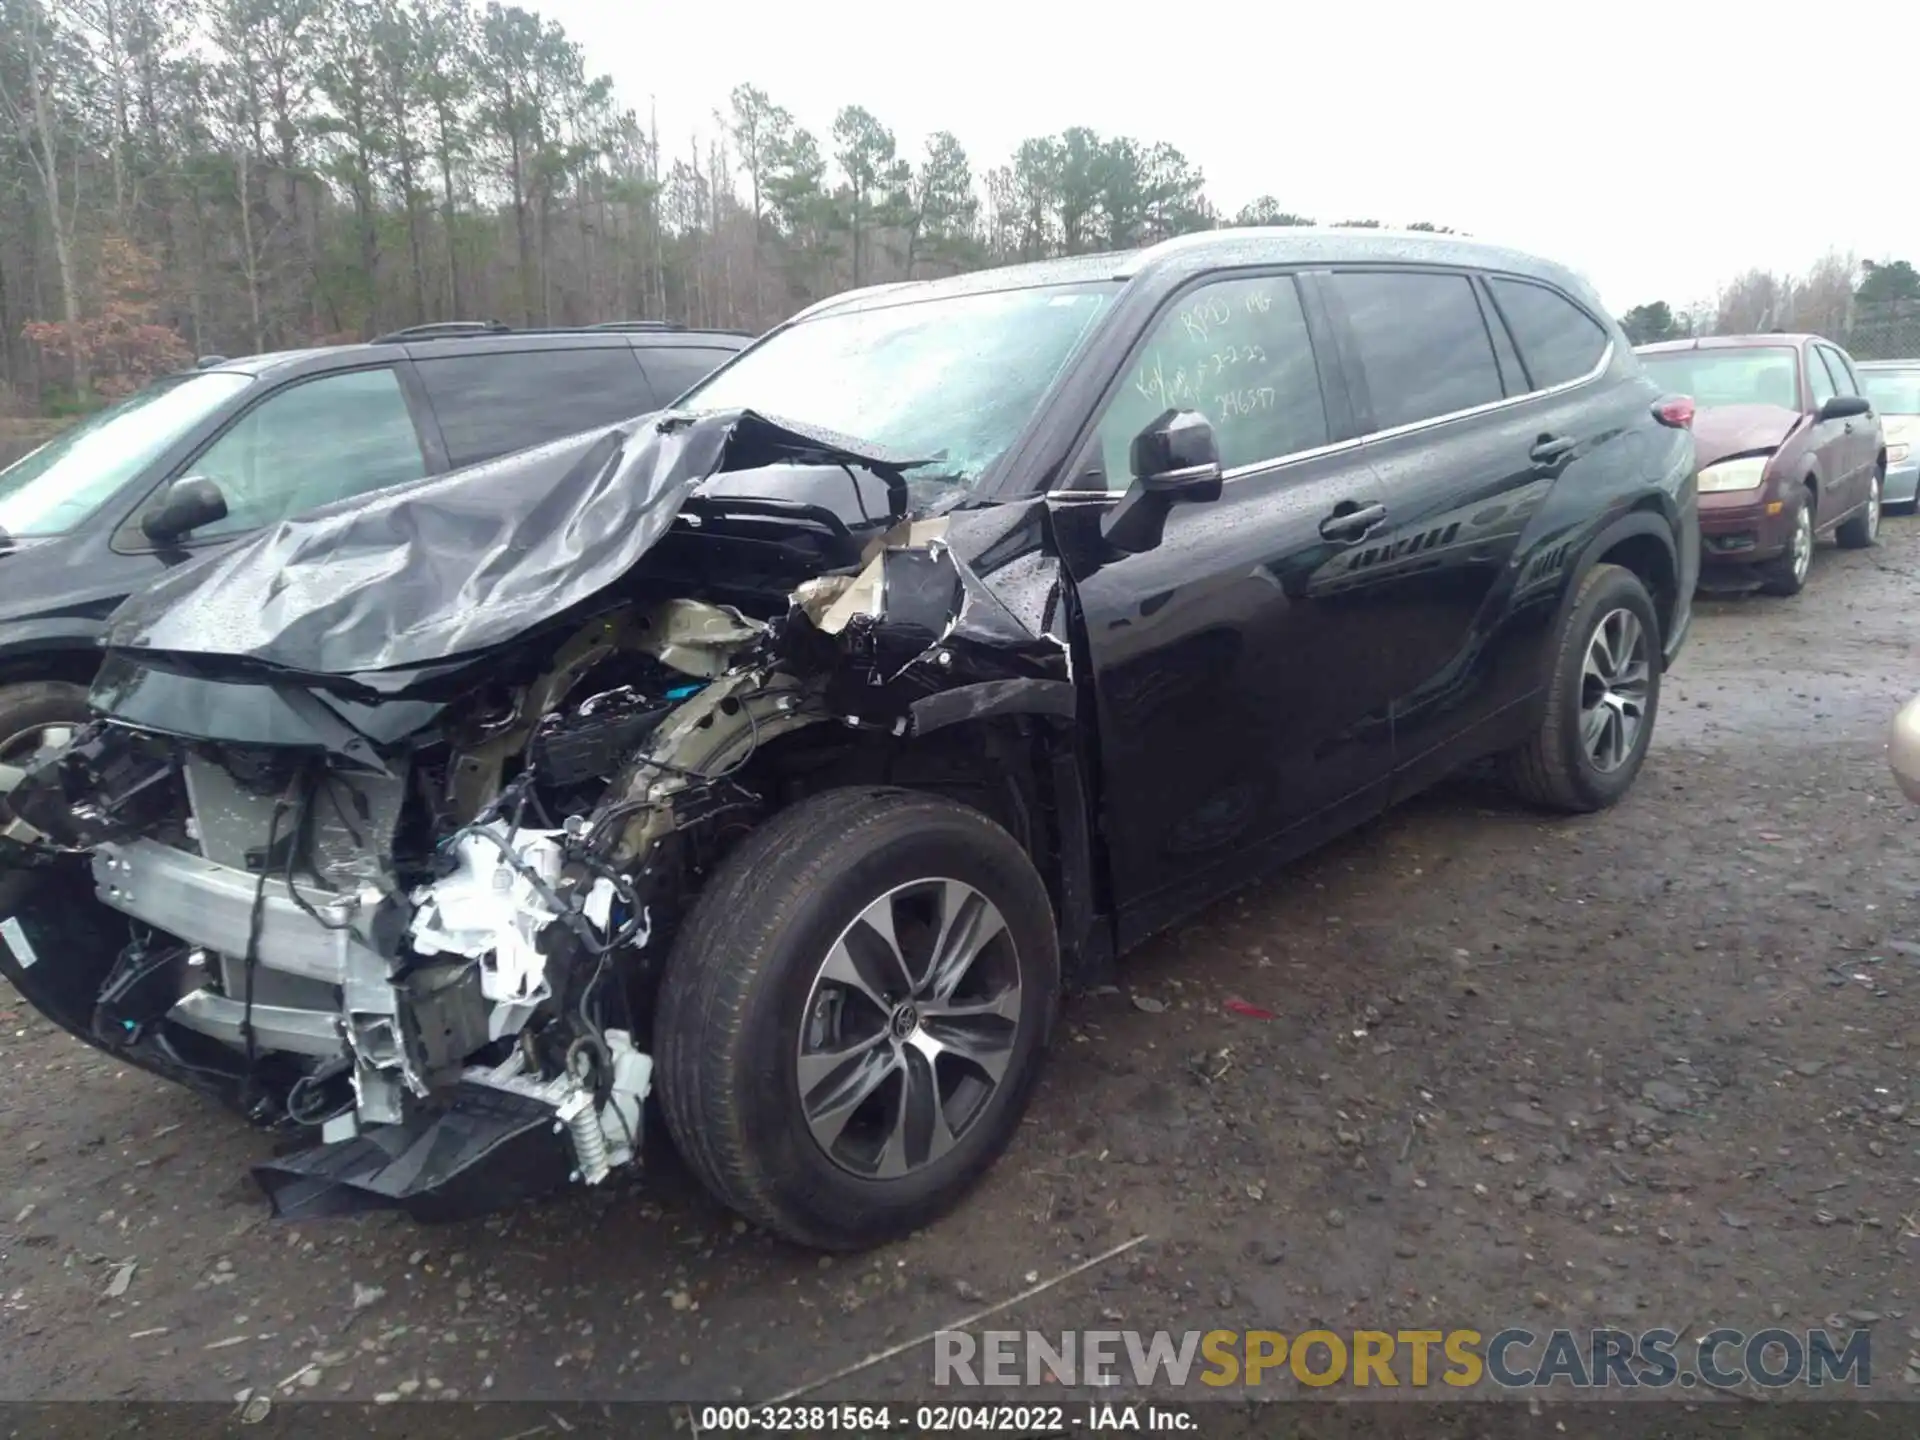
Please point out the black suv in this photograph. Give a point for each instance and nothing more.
(113, 502)
(788, 754)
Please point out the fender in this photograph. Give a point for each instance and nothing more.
(1642, 520)
(25, 643)
(1087, 941)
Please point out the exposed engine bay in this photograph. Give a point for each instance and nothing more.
(385, 843)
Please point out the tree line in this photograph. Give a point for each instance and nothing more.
(183, 177)
(1873, 307)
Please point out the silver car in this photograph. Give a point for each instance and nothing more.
(1903, 749)
(1894, 388)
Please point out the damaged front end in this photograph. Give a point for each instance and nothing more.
(383, 843)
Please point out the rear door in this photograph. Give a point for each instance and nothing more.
(1464, 459)
(509, 397)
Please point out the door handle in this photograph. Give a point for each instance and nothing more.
(1350, 520)
(1551, 449)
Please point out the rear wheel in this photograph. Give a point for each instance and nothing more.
(853, 1018)
(1603, 693)
(1862, 529)
(1786, 574)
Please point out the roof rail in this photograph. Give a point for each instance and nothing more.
(207, 362)
(443, 330)
(465, 329)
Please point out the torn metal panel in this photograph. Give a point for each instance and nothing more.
(464, 562)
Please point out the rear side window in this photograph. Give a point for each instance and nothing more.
(676, 369)
(492, 405)
(1423, 345)
(1558, 340)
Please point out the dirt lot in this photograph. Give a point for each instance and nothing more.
(1656, 1066)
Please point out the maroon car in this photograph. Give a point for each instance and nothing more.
(1789, 449)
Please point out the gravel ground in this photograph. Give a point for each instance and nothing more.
(1656, 1066)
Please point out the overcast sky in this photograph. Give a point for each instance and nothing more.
(1656, 148)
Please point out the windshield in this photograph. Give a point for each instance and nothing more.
(63, 482)
(1893, 392)
(1758, 375)
(952, 380)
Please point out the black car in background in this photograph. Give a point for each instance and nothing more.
(198, 460)
(789, 753)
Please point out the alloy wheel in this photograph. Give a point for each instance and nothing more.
(30, 746)
(910, 1025)
(1614, 680)
(1873, 510)
(1802, 543)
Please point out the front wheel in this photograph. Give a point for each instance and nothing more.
(1786, 573)
(38, 719)
(854, 1016)
(1603, 693)
(1862, 528)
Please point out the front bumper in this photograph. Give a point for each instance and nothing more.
(1902, 486)
(1743, 527)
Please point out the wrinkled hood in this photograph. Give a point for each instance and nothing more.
(1901, 429)
(1723, 430)
(460, 563)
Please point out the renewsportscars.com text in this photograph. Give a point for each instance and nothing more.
(1512, 1358)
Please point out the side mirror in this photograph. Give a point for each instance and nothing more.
(1177, 457)
(187, 504)
(1845, 407)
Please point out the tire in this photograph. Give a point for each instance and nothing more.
(1861, 529)
(745, 990)
(1786, 573)
(1557, 768)
(30, 710)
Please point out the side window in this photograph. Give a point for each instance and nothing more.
(1823, 376)
(309, 445)
(1559, 341)
(1423, 345)
(676, 369)
(1844, 375)
(1511, 371)
(1236, 351)
(494, 404)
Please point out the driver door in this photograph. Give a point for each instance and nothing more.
(1239, 719)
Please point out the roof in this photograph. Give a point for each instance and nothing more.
(1910, 364)
(1212, 249)
(474, 342)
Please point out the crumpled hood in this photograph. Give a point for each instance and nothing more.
(1724, 430)
(463, 562)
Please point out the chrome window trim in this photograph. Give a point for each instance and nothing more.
(1241, 472)
(1606, 359)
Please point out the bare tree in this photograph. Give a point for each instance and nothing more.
(47, 130)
